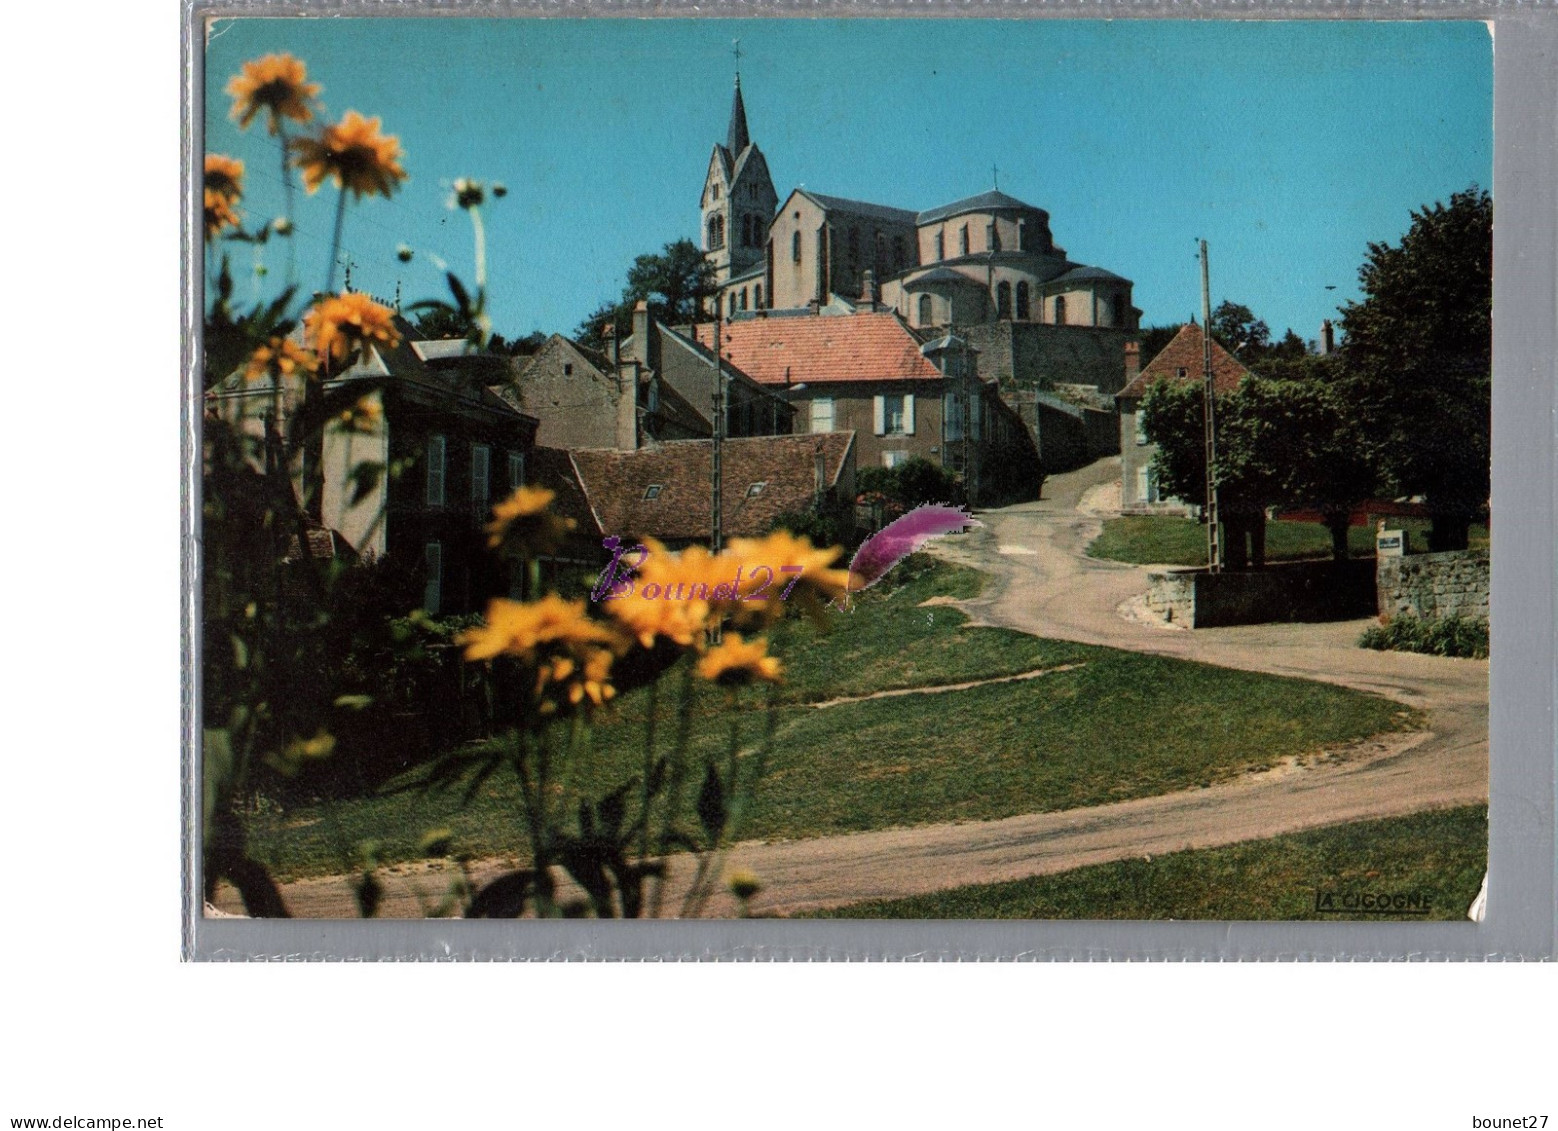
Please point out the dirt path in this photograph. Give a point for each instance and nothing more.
(1042, 582)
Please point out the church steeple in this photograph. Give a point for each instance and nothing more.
(737, 137)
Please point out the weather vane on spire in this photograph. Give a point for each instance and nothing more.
(995, 175)
(735, 49)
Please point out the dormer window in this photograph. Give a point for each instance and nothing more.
(755, 490)
(652, 492)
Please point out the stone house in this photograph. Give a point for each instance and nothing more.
(1181, 360)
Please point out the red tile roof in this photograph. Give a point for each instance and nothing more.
(616, 482)
(823, 348)
(1185, 353)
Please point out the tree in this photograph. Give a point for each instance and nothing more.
(677, 284)
(1241, 333)
(1418, 361)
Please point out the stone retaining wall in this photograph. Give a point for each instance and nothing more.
(1453, 584)
(1291, 591)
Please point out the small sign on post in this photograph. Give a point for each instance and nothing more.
(1390, 543)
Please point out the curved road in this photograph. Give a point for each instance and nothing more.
(1043, 583)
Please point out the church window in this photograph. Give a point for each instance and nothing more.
(1022, 302)
(897, 252)
(714, 189)
(716, 232)
(926, 310)
(963, 240)
(732, 302)
(1117, 310)
(743, 298)
(1022, 236)
(1003, 300)
(992, 237)
(795, 247)
(1060, 310)
(757, 297)
(941, 246)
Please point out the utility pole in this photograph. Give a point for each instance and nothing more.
(1214, 556)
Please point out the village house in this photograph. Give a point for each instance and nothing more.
(1181, 360)
(868, 373)
(446, 448)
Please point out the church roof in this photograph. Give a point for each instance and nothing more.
(736, 137)
(848, 347)
(1181, 360)
(862, 208)
(942, 275)
(984, 202)
(1089, 274)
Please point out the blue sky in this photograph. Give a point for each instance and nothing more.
(1288, 146)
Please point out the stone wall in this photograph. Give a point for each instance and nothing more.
(1291, 591)
(1040, 356)
(1434, 585)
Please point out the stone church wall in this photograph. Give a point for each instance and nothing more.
(1035, 355)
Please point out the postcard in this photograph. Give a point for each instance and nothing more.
(857, 469)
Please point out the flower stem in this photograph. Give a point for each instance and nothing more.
(335, 240)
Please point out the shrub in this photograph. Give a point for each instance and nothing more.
(1463, 637)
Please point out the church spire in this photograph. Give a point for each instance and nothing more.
(737, 138)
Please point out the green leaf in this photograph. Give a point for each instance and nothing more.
(461, 295)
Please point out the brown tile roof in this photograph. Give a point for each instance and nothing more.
(854, 347)
(551, 468)
(616, 482)
(1185, 352)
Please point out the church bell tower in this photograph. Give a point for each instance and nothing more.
(738, 199)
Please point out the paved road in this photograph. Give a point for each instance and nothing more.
(1044, 584)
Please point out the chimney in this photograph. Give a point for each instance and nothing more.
(641, 331)
(868, 289)
(1327, 337)
(627, 407)
(1132, 361)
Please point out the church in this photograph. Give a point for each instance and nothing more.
(987, 266)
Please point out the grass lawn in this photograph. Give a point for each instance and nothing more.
(1116, 725)
(1171, 540)
(1440, 855)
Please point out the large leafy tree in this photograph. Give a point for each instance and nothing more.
(676, 283)
(1418, 361)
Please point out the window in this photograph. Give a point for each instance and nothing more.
(757, 297)
(1181, 373)
(481, 478)
(1022, 302)
(652, 492)
(1060, 310)
(654, 394)
(894, 458)
(893, 415)
(716, 233)
(1141, 426)
(714, 190)
(963, 240)
(992, 237)
(433, 568)
(516, 471)
(567, 369)
(1022, 236)
(795, 247)
(436, 449)
(897, 252)
(732, 302)
(1117, 311)
(822, 414)
(1003, 300)
(926, 313)
(755, 490)
(952, 413)
(941, 246)
(743, 298)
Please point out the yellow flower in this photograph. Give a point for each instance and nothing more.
(575, 682)
(279, 359)
(277, 84)
(744, 884)
(523, 524)
(224, 175)
(354, 154)
(364, 416)
(219, 213)
(647, 618)
(520, 629)
(735, 662)
(808, 565)
(338, 327)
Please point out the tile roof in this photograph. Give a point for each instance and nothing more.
(984, 202)
(863, 208)
(1184, 352)
(850, 347)
(615, 483)
(551, 468)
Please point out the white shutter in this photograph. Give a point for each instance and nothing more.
(908, 414)
(879, 415)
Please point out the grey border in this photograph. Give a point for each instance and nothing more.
(1522, 917)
